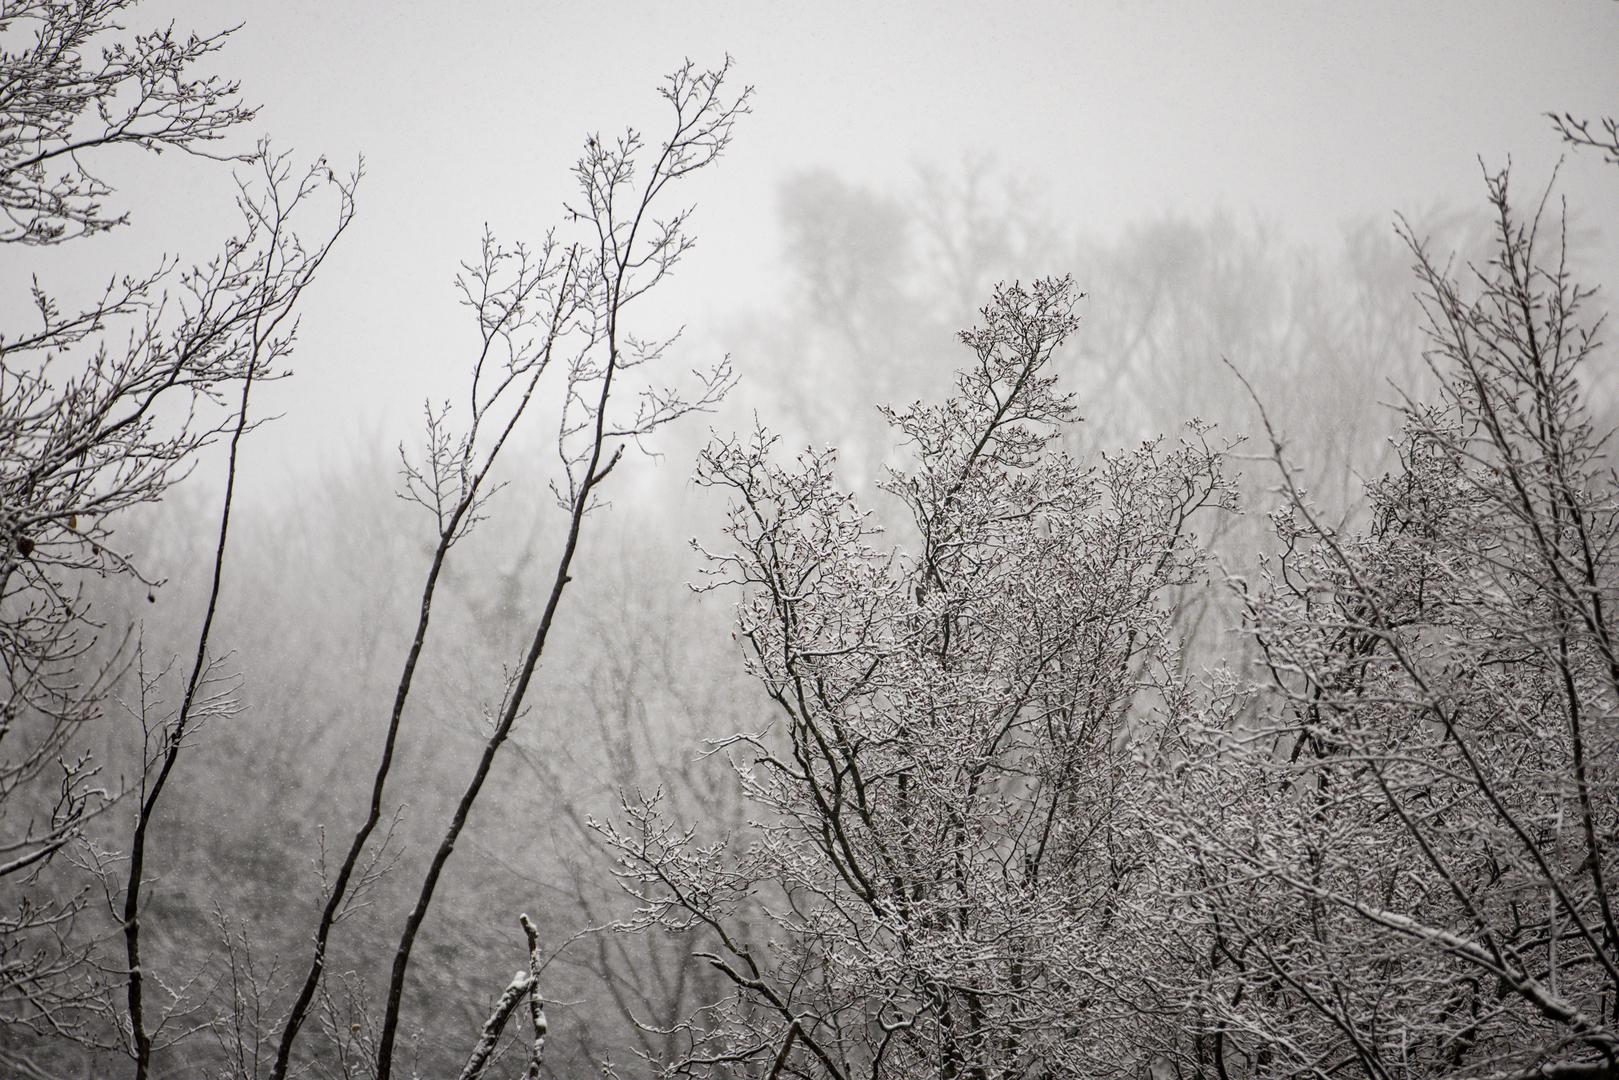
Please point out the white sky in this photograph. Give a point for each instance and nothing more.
(1308, 114)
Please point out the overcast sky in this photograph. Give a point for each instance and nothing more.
(1307, 114)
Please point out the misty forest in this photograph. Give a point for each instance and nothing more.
(999, 648)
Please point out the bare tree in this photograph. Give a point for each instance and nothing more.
(558, 309)
(947, 843)
(1409, 869)
(1576, 132)
(103, 408)
(525, 986)
(63, 108)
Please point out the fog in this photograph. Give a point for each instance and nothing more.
(1223, 183)
(1105, 116)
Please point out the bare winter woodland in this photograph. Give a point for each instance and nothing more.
(1031, 725)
